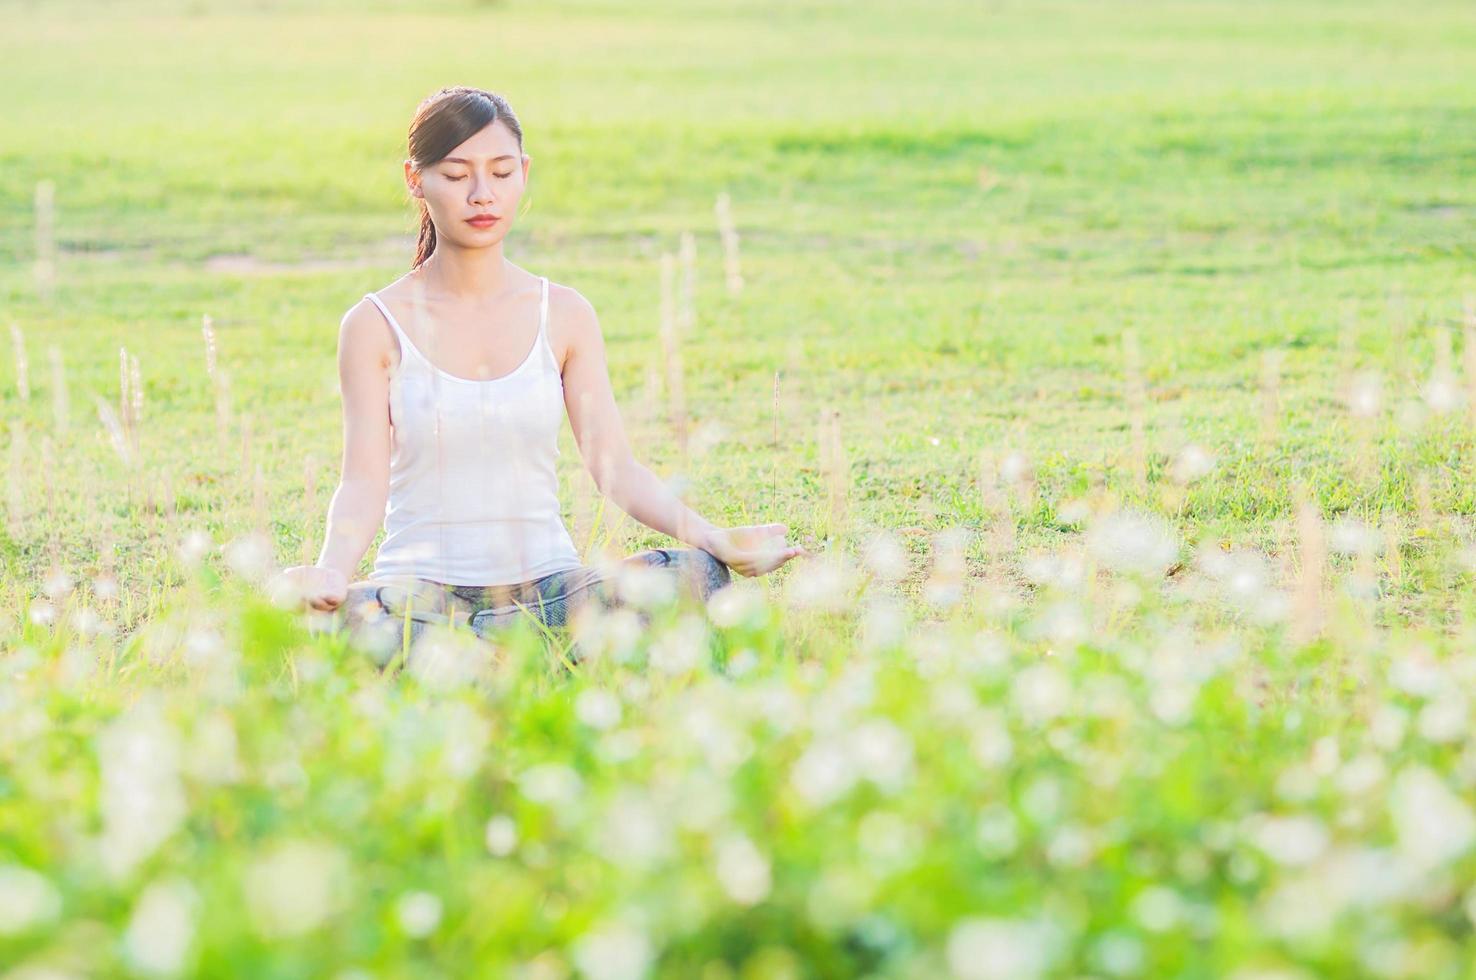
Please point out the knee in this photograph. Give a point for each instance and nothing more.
(709, 571)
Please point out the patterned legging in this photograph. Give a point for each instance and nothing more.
(375, 612)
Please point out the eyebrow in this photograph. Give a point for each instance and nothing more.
(505, 156)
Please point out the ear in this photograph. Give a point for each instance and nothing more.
(412, 180)
(527, 160)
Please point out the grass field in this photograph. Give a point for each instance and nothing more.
(1140, 643)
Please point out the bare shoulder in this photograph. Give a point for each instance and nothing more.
(364, 337)
(572, 322)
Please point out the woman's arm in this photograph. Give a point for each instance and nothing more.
(357, 508)
(600, 435)
(748, 549)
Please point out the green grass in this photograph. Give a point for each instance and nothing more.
(950, 214)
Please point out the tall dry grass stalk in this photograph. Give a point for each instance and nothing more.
(1424, 497)
(1271, 362)
(671, 355)
(728, 232)
(1308, 614)
(130, 396)
(835, 471)
(1137, 404)
(686, 318)
(1468, 355)
(22, 365)
(45, 267)
(15, 479)
(774, 441)
(219, 382)
(117, 434)
(995, 498)
(61, 407)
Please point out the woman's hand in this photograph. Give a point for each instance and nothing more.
(752, 549)
(315, 585)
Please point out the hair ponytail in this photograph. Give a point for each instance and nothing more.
(443, 122)
(426, 243)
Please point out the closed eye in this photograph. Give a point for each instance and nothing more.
(463, 177)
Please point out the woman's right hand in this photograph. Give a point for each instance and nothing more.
(321, 588)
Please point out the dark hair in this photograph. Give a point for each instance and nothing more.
(442, 122)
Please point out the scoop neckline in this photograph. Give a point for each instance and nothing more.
(405, 338)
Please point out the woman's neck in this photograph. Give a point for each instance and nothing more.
(461, 273)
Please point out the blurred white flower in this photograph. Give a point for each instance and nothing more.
(418, 913)
(142, 799)
(634, 831)
(1158, 908)
(1350, 536)
(1000, 949)
(1243, 576)
(1295, 840)
(888, 840)
(464, 736)
(211, 755)
(1135, 542)
(1366, 394)
(295, 886)
(1041, 692)
(1016, 468)
(825, 772)
(883, 753)
(162, 928)
(551, 783)
(824, 582)
(990, 742)
(1432, 823)
(996, 832)
(682, 646)
(614, 951)
(643, 586)
(58, 584)
(883, 624)
(1058, 569)
(1073, 511)
(739, 603)
(884, 556)
(1445, 717)
(250, 556)
(501, 835)
(1194, 462)
(193, 547)
(1443, 393)
(597, 708)
(28, 899)
(742, 870)
(443, 659)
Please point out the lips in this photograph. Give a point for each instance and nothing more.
(483, 220)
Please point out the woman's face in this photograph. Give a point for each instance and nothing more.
(485, 175)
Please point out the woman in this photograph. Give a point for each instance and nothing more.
(456, 378)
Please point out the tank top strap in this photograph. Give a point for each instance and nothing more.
(543, 338)
(406, 347)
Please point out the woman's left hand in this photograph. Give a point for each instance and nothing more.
(753, 549)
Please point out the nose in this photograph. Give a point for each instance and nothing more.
(481, 190)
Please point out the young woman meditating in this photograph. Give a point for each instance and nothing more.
(456, 378)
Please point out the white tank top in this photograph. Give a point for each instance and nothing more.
(473, 492)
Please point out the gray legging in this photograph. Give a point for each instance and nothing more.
(374, 612)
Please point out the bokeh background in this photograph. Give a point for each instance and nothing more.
(1117, 359)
